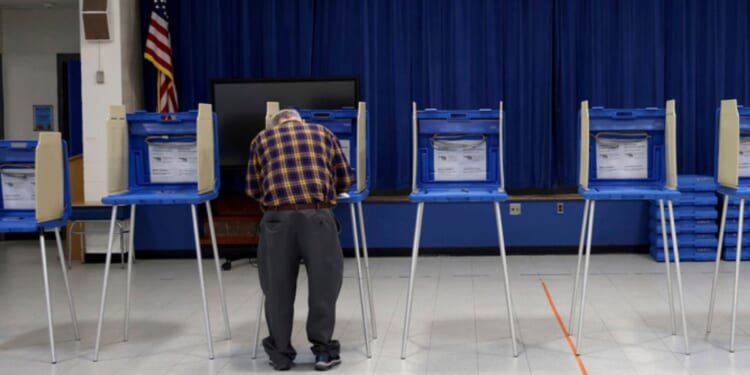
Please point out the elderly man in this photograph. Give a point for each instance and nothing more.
(295, 171)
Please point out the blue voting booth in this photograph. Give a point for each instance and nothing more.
(627, 154)
(733, 179)
(349, 125)
(35, 188)
(162, 159)
(457, 157)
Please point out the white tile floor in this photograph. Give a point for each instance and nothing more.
(459, 324)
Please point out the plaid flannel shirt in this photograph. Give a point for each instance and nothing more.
(297, 163)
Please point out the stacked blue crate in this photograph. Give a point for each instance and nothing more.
(695, 218)
(730, 232)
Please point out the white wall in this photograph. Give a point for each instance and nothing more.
(132, 56)
(96, 99)
(120, 60)
(31, 40)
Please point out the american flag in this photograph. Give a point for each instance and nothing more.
(159, 52)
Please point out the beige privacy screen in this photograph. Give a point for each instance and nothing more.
(204, 134)
(117, 150)
(361, 147)
(584, 151)
(272, 108)
(48, 171)
(729, 143)
(670, 135)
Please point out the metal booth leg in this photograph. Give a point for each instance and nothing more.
(227, 331)
(738, 258)
(508, 297)
(107, 262)
(360, 284)
(670, 294)
(719, 249)
(257, 324)
(409, 295)
(373, 329)
(71, 304)
(577, 282)
(582, 308)
(680, 293)
(199, 257)
(50, 325)
(69, 240)
(131, 255)
(122, 244)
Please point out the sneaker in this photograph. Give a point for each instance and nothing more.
(281, 366)
(325, 362)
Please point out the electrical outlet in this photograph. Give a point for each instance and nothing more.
(560, 208)
(515, 209)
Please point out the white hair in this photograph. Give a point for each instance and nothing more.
(283, 115)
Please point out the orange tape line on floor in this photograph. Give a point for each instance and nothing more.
(564, 330)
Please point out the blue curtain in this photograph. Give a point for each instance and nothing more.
(541, 57)
(609, 53)
(642, 53)
(707, 54)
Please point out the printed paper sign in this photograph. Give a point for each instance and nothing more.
(347, 149)
(19, 187)
(621, 158)
(461, 160)
(173, 162)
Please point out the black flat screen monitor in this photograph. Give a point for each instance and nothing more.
(240, 107)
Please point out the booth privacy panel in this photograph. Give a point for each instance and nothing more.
(117, 150)
(49, 172)
(583, 167)
(164, 153)
(670, 135)
(205, 148)
(729, 144)
(272, 108)
(158, 157)
(458, 149)
(627, 147)
(362, 147)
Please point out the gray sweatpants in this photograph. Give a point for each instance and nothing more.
(285, 238)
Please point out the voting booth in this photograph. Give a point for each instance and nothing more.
(627, 154)
(733, 179)
(35, 185)
(457, 157)
(162, 159)
(349, 125)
